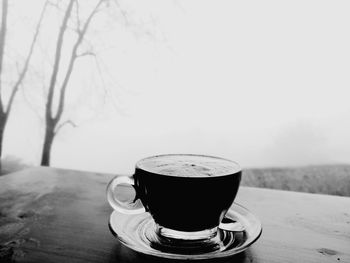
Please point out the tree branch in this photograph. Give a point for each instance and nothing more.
(77, 16)
(57, 60)
(22, 73)
(70, 122)
(122, 11)
(55, 4)
(73, 58)
(86, 53)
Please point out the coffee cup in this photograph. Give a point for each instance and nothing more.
(187, 195)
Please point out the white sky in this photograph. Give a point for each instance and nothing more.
(264, 83)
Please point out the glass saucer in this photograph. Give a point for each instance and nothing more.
(138, 233)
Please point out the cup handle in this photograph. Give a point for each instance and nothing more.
(120, 206)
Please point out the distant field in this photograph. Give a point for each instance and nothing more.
(323, 179)
(11, 164)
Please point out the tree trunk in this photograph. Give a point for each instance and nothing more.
(50, 120)
(3, 31)
(49, 136)
(1, 141)
(3, 120)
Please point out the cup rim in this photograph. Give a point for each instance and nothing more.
(237, 169)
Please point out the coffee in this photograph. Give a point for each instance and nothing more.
(187, 192)
(189, 166)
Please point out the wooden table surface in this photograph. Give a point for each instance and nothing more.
(55, 215)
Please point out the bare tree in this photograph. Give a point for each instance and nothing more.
(6, 104)
(57, 90)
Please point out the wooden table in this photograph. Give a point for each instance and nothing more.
(54, 215)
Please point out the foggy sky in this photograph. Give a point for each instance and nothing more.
(261, 83)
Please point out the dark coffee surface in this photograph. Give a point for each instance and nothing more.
(186, 165)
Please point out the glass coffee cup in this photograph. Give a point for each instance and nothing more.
(187, 195)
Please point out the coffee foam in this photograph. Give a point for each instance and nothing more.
(188, 165)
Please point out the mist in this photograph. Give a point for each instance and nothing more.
(262, 83)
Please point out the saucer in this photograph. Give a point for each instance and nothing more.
(138, 233)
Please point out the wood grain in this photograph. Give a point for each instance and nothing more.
(54, 215)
